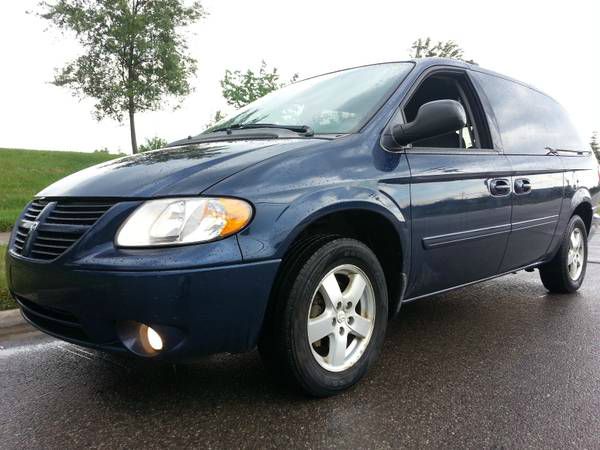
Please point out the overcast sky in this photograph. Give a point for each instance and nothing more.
(553, 45)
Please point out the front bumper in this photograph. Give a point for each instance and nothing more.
(215, 309)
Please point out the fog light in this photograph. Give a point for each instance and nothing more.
(148, 341)
(154, 339)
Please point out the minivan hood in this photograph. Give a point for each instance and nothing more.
(184, 170)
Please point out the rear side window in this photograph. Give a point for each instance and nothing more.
(529, 121)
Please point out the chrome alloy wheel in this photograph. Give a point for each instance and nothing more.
(341, 318)
(576, 256)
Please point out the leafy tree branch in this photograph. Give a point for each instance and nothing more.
(240, 88)
(426, 48)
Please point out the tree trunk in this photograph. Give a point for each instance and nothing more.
(134, 146)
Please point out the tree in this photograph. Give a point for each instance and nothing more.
(239, 88)
(595, 144)
(154, 143)
(134, 53)
(425, 48)
(217, 117)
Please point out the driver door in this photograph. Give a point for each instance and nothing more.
(460, 194)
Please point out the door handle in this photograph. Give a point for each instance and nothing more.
(522, 186)
(499, 187)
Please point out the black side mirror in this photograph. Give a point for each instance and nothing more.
(433, 119)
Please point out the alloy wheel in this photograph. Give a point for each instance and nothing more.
(341, 318)
(576, 255)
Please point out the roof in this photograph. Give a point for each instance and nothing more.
(424, 63)
(430, 62)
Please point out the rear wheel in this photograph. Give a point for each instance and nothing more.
(566, 272)
(329, 322)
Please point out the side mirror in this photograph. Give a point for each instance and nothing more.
(433, 119)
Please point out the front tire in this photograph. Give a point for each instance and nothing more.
(329, 322)
(566, 272)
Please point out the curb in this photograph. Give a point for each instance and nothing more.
(12, 322)
(11, 318)
(4, 237)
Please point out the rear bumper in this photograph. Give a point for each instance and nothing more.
(214, 309)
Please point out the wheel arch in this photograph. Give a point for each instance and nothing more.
(376, 221)
(581, 204)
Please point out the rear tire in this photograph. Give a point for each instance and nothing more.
(566, 272)
(336, 297)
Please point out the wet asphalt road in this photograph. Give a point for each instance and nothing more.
(499, 365)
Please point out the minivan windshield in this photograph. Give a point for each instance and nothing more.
(335, 103)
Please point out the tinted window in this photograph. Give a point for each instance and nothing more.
(335, 103)
(529, 121)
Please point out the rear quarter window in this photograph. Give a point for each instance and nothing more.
(529, 121)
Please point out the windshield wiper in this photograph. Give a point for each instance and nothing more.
(557, 151)
(304, 130)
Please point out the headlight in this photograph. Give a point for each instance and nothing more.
(175, 221)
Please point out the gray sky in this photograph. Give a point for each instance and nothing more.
(553, 45)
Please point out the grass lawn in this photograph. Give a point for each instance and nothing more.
(5, 301)
(23, 173)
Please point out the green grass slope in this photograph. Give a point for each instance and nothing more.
(23, 173)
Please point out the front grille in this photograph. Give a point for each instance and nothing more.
(77, 213)
(20, 238)
(34, 209)
(48, 229)
(52, 244)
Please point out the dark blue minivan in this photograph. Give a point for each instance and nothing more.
(302, 222)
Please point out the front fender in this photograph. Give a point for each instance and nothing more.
(276, 225)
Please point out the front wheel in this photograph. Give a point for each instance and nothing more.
(328, 326)
(565, 273)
